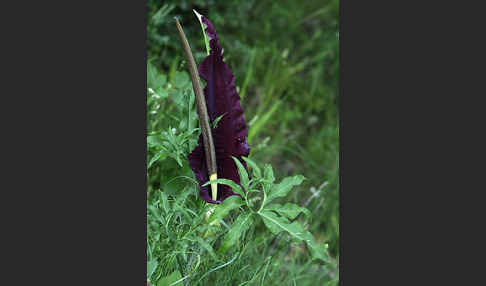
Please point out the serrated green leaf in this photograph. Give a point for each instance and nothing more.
(278, 224)
(256, 170)
(241, 224)
(237, 189)
(244, 180)
(282, 189)
(168, 280)
(225, 207)
(288, 210)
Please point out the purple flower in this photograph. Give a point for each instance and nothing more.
(230, 135)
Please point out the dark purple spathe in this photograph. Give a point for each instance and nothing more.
(230, 136)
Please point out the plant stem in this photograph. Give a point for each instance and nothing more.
(201, 111)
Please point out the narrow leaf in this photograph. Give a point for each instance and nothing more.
(288, 210)
(165, 202)
(256, 170)
(214, 125)
(244, 180)
(161, 155)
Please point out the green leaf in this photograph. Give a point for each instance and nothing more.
(151, 266)
(288, 210)
(282, 189)
(237, 189)
(168, 280)
(165, 202)
(181, 79)
(241, 224)
(268, 174)
(154, 79)
(161, 155)
(160, 80)
(225, 207)
(318, 250)
(159, 17)
(183, 195)
(173, 178)
(177, 157)
(215, 122)
(244, 180)
(184, 211)
(278, 224)
(208, 247)
(154, 141)
(261, 122)
(256, 170)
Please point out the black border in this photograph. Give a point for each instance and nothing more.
(76, 167)
(404, 101)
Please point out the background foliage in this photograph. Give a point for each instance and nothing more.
(284, 55)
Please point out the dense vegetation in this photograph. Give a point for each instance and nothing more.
(284, 55)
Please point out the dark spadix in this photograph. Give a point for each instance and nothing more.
(230, 135)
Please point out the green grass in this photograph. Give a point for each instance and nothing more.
(284, 55)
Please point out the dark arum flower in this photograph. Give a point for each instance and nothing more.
(230, 135)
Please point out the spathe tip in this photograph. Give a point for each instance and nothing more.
(199, 16)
